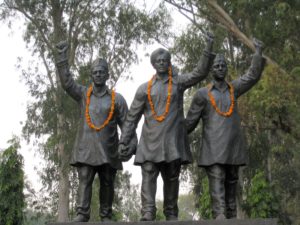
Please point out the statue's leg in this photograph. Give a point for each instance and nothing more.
(149, 179)
(216, 178)
(86, 176)
(107, 176)
(170, 174)
(231, 181)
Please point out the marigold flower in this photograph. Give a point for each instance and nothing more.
(163, 116)
(87, 112)
(213, 102)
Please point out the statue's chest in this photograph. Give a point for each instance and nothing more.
(100, 105)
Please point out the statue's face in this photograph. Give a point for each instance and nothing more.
(99, 75)
(219, 69)
(161, 63)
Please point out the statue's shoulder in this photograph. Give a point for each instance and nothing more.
(142, 89)
(119, 97)
(202, 92)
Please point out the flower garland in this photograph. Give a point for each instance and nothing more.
(213, 102)
(87, 112)
(163, 116)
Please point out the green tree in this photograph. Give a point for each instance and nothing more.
(261, 201)
(12, 201)
(110, 29)
(205, 201)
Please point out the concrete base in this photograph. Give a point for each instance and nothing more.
(202, 222)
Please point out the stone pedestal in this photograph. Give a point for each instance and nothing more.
(202, 222)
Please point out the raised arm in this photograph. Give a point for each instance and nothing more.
(248, 80)
(66, 79)
(195, 112)
(201, 70)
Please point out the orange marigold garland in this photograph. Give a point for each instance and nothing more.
(163, 116)
(87, 112)
(213, 102)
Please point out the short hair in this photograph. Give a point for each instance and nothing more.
(100, 62)
(158, 52)
(219, 57)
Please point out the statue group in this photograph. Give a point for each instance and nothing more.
(163, 146)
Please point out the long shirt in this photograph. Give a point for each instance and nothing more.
(164, 141)
(223, 141)
(92, 147)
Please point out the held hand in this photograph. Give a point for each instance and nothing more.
(258, 46)
(124, 152)
(62, 47)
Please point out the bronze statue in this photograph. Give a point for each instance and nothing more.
(223, 145)
(163, 146)
(96, 144)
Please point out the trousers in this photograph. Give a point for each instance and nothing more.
(170, 175)
(86, 176)
(222, 188)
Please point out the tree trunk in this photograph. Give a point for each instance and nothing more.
(63, 170)
(63, 166)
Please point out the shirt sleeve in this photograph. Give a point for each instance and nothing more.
(133, 116)
(195, 112)
(248, 80)
(199, 72)
(68, 84)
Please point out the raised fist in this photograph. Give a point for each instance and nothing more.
(258, 46)
(62, 47)
(209, 37)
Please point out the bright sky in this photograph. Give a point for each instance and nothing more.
(14, 96)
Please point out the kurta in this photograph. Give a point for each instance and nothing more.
(223, 141)
(92, 147)
(167, 140)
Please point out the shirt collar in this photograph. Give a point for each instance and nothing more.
(165, 79)
(102, 93)
(213, 85)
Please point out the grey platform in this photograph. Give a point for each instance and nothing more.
(202, 222)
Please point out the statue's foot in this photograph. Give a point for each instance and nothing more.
(171, 218)
(148, 216)
(221, 217)
(80, 218)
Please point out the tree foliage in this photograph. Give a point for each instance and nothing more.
(261, 201)
(12, 200)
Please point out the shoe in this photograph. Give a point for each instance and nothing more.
(147, 217)
(80, 218)
(221, 217)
